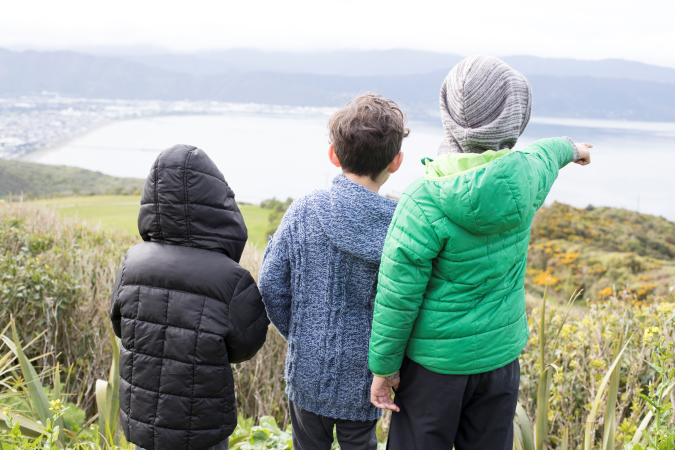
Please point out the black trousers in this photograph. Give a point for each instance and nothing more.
(471, 412)
(314, 432)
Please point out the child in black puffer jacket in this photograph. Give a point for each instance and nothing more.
(184, 308)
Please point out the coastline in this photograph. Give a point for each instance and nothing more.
(36, 154)
(666, 129)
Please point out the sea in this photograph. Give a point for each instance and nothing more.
(276, 155)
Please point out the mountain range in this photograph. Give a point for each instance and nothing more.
(386, 63)
(608, 89)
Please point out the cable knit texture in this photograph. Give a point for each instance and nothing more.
(318, 281)
(577, 155)
(485, 105)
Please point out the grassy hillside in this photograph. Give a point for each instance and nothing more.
(40, 180)
(601, 249)
(598, 250)
(121, 212)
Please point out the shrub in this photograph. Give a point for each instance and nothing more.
(56, 279)
(278, 210)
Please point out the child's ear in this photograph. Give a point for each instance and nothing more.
(332, 156)
(396, 163)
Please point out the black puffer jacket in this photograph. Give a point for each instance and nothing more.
(183, 308)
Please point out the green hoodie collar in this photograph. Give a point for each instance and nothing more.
(453, 165)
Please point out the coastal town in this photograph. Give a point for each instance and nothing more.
(30, 123)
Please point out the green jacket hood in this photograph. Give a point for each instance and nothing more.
(484, 193)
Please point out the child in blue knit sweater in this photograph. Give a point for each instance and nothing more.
(319, 278)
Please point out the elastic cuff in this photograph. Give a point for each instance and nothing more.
(391, 376)
(577, 155)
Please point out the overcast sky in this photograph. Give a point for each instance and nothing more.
(641, 30)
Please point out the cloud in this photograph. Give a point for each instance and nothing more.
(576, 28)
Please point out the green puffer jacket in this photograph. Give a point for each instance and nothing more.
(450, 290)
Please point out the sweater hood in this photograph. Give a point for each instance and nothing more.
(186, 201)
(354, 218)
(484, 193)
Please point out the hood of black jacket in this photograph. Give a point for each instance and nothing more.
(186, 201)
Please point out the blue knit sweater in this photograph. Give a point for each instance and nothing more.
(318, 281)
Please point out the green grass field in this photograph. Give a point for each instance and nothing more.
(121, 211)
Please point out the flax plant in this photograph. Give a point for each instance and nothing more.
(597, 384)
(546, 370)
(42, 424)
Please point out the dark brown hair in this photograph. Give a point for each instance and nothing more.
(367, 134)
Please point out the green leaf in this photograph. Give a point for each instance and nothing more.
(259, 438)
(609, 432)
(57, 382)
(107, 394)
(590, 420)
(269, 422)
(565, 444)
(29, 427)
(235, 441)
(35, 390)
(525, 428)
(102, 405)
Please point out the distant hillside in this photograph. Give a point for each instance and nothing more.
(78, 74)
(395, 62)
(584, 96)
(340, 63)
(601, 249)
(40, 180)
(602, 98)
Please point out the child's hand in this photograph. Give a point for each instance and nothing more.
(380, 393)
(584, 153)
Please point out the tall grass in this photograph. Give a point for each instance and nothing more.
(259, 383)
(56, 279)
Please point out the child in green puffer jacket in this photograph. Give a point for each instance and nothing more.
(449, 319)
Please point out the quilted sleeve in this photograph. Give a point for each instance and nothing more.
(409, 249)
(275, 278)
(548, 156)
(248, 321)
(115, 314)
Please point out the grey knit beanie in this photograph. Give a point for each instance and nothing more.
(485, 105)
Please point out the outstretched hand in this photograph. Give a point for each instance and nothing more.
(380, 393)
(584, 153)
